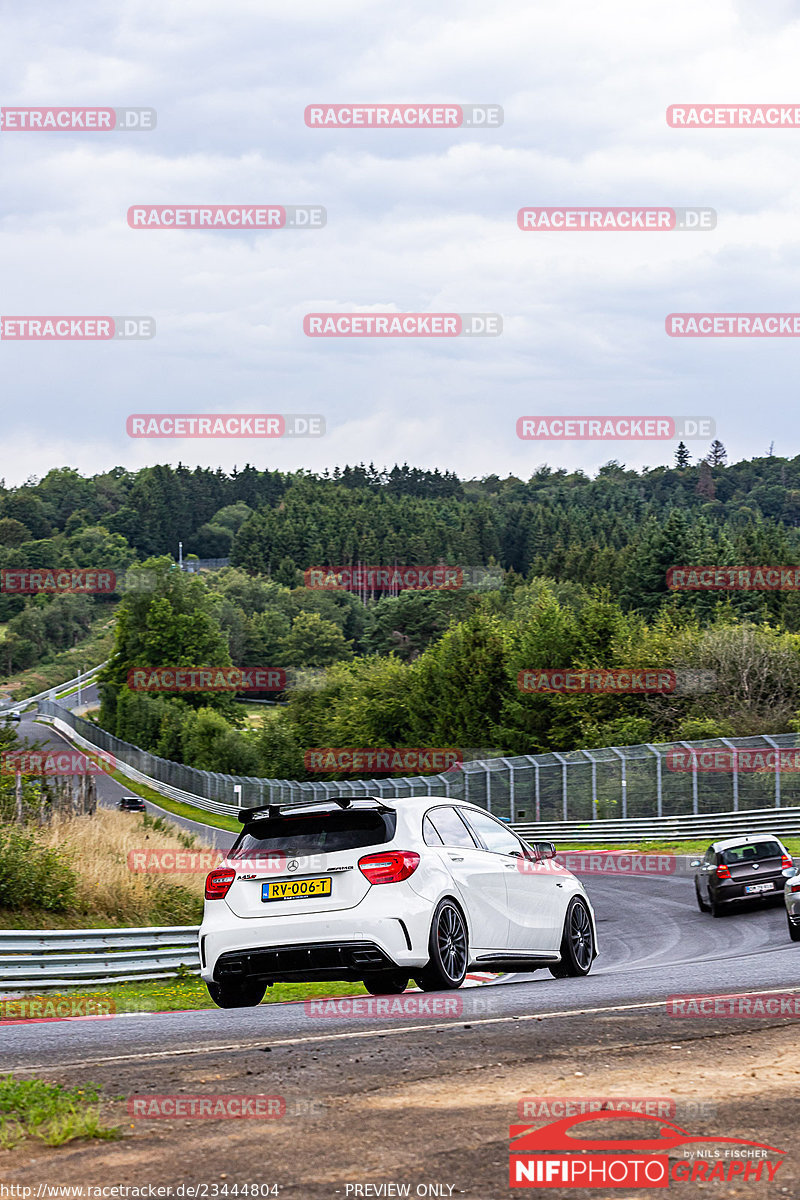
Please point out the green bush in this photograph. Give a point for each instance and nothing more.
(32, 875)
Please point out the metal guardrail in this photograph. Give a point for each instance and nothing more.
(71, 957)
(53, 693)
(784, 822)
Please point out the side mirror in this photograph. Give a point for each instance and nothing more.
(790, 872)
(545, 849)
(695, 863)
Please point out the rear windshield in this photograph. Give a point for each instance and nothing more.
(753, 852)
(317, 833)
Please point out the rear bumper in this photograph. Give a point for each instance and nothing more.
(727, 893)
(315, 961)
(305, 947)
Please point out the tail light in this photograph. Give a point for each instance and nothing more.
(218, 882)
(723, 872)
(391, 867)
(786, 861)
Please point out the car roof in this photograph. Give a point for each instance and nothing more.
(729, 843)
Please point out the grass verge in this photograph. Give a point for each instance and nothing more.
(58, 668)
(49, 1113)
(216, 820)
(666, 847)
(185, 991)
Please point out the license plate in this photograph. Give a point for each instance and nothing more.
(295, 889)
(760, 887)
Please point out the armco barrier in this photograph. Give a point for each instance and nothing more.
(37, 959)
(52, 693)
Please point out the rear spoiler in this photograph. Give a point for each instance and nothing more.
(271, 811)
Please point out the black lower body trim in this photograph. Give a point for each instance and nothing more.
(307, 963)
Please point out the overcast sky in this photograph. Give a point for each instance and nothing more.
(418, 221)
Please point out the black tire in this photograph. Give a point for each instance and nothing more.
(449, 950)
(794, 930)
(237, 995)
(701, 904)
(577, 942)
(717, 910)
(387, 983)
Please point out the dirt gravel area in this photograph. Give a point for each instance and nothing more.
(430, 1110)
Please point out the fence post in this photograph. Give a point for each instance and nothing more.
(538, 793)
(694, 775)
(594, 783)
(777, 750)
(659, 798)
(512, 808)
(623, 780)
(563, 762)
(735, 772)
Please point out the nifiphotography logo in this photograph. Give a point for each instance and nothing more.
(566, 1154)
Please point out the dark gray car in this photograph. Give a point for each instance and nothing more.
(739, 870)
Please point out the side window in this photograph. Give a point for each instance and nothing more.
(450, 828)
(495, 836)
(709, 858)
(429, 834)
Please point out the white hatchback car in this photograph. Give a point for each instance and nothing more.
(421, 887)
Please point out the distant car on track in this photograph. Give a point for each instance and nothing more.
(741, 869)
(791, 898)
(132, 804)
(11, 716)
(362, 889)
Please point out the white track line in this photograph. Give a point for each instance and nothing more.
(371, 1033)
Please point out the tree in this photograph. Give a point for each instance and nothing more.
(717, 455)
(313, 642)
(705, 483)
(682, 457)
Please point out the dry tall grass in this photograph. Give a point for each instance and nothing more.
(108, 891)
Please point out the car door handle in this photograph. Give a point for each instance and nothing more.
(457, 857)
